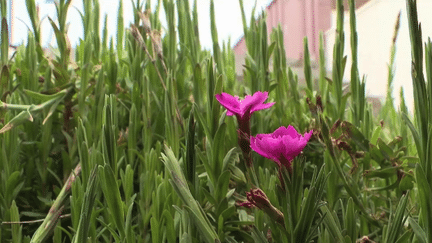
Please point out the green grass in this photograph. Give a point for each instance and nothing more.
(127, 142)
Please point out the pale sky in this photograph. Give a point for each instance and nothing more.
(228, 19)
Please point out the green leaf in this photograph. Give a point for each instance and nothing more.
(87, 208)
(385, 149)
(237, 174)
(332, 224)
(112, 197)
(199, 88)
(16, 121)
(396, 222)
(406, 183)
(229, 212)
(13, 182)
(405, 237)
(222, 185)
(208, 196)
(4, 81)
(425, 199)
(218, 149)
(128, 183)
(258, 236)
(61, 41)
(418, 231)
(155, 230)
(355, 135)
(170, 230)
(350, 220)
(230, 158)
(415, 135)
(4, 41)
(130, 235)
(208, 233)
(202, 122)
(270, 50)
(375, 135)
(16, 228)
(52, 109)
(120, 30)
(179, 183)
(190, 150)
(382, 173)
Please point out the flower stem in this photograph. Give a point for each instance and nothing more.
(251, 176)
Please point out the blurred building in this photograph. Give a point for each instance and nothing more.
(298, 18)
(375, 26)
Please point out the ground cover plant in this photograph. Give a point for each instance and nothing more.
(153, 139)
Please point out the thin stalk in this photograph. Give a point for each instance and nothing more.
(55, 211)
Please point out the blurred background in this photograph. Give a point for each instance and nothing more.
(376, 20)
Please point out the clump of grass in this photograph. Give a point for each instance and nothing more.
(128, 142)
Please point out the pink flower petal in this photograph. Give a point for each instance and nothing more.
(293, 146)
(262, 136)
(281, 146)
(267, 147)
(291, 131)
(281, 131)
(229, 113)
(307, 135)
(232, 104)
(262, 107)
(256, 99)
(244, 108)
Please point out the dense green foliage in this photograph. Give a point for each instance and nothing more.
(126, 142)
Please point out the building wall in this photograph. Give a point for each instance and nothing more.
(239, 55)
(375, 26)
(298, 18)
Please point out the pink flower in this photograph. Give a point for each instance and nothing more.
(244, 108)
(281, 146)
